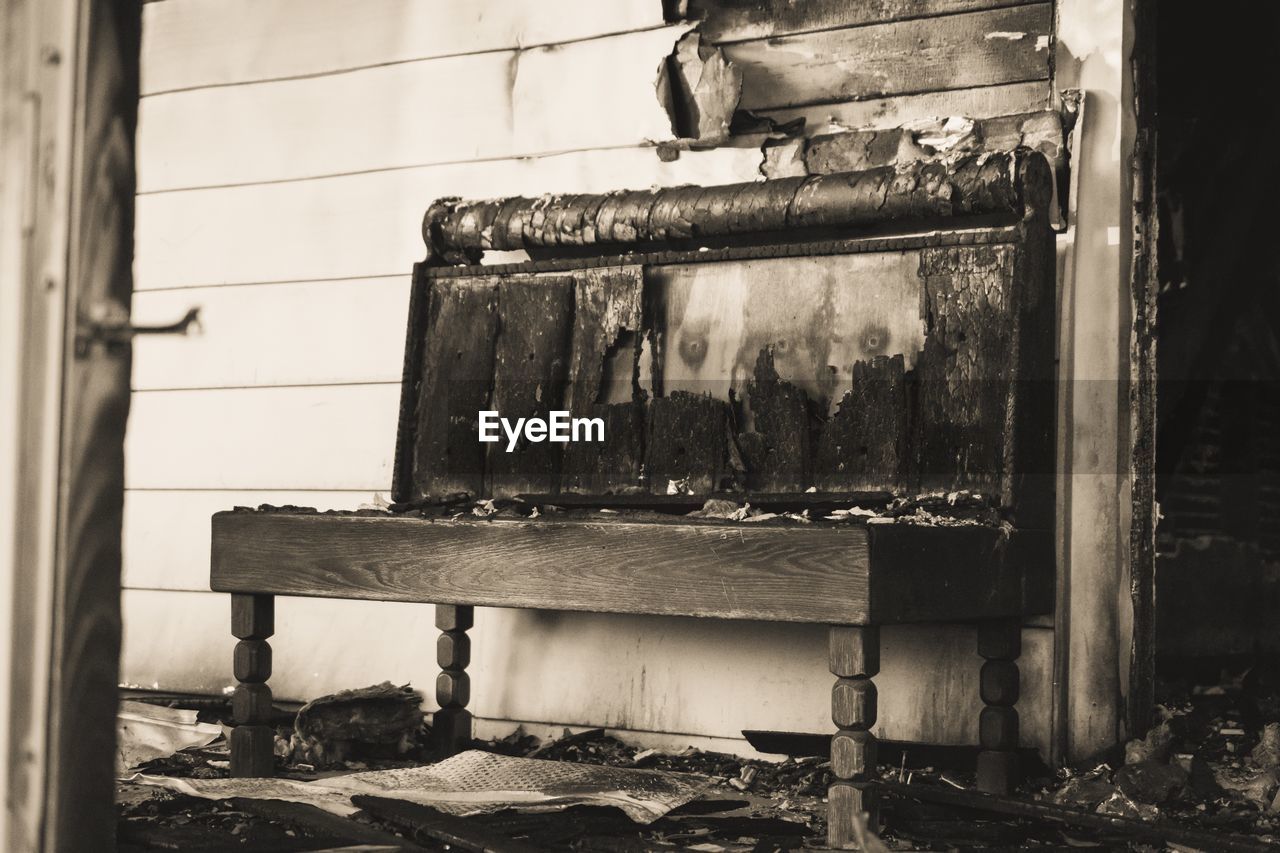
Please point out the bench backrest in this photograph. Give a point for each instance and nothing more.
(876, 331)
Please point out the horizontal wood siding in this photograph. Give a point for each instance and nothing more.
(740, 20)
(168, 532)
(370, 224)
(191, 43)
(456, 109)
(920, 55)
(288, 149)
(299, 333)
(332, 437)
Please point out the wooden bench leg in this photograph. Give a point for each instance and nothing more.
(252, 739)
(999, 643)
(451, 725)
(854, 654)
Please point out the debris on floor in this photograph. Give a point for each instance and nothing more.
(381, 721)
(1204, 777)
(147, 732)
(471, 783)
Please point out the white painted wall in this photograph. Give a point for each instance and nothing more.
(288, 149)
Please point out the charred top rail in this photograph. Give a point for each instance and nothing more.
(458, 231)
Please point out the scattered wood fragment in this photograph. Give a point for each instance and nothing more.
(568, 739)
(425, 821)
(1158, 830)
(891, 752)
(815, 502)
(322, 822)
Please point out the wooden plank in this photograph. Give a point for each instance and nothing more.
(216, 42)
(300, 333)
(747, 572)
(633, 673)
(331, 438)
(530, 364)
(909, 572)
(367, 225)
(955, 52)
(776, 444)
(603, 381)
(866, 440)
(167, 534)
(560, 103)
(535, 100)
(325, 125)
(834, 311)
(457, 372)
(920, 572)
(964, 374)
(739, 20)
(686, 443)
(982, 102)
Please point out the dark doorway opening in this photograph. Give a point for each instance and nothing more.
(1218, 411)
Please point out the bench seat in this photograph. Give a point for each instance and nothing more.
(834, 573)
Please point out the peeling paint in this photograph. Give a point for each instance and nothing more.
(942, 136)
(784, 159)
(1042, 43)
(1007, 36)
(699, 89)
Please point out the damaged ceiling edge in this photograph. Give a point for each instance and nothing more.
(700, 91)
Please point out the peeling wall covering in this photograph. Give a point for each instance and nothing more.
(700, 90)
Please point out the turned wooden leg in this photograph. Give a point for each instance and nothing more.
(451, 725)
(999, 643)
(252, 740)
(855, 657)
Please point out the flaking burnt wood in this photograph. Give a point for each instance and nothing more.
(908, 364)
(404, 462)
(918, 55)
(738, 20)
(964, 374)
(776, 449)
(687, 441)
(930, 569)
(535, 317)
(839, 574)
(603, 381)
(457, 371)
(865, 441)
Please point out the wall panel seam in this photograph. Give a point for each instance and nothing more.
(333, 72)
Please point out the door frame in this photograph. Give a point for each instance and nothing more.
(47, 170)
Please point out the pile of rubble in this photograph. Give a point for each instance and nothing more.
(1205, 777)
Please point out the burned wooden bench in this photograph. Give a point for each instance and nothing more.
(806, 342)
